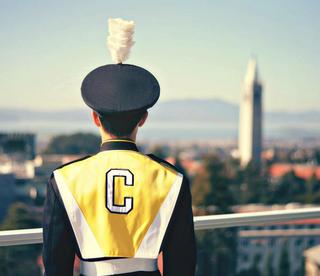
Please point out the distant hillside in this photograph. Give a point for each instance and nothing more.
(189, 118)
(213, 110)
(25, 114)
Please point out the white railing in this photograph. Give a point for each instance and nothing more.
(33, 236)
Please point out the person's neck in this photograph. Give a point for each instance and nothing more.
(107, 136)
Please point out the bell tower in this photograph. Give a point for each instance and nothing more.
(250, 123)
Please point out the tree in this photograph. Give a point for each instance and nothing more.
(204, 259)
(254, 185)
(159, 151)
(317, 156)
(211, 187)
(179, 166)
(312, 195)
(20, 260)
(302, 271)
(312, 190)
(20, 216)
(217, 250)
(253, 270)
(268, 267)
(78, 143)
(284, 263)
(290, 189)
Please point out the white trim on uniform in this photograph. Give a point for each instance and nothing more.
(151, 243)
(87, 243)
(117, 266)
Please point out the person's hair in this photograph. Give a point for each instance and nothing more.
(122, 124)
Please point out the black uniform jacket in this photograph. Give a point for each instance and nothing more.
(60, 246)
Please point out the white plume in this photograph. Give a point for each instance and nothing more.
(120, 38)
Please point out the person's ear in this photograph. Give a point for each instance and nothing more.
(95, 118)
(143, 119)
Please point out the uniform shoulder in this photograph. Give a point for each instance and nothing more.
(52, 180)
(73, 162)
(164, 162)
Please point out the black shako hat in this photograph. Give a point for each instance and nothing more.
(120, 88)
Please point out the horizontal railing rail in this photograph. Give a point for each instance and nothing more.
(34, 236)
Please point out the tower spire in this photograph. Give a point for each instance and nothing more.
(252, 72)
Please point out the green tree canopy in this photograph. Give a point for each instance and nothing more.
(290, 189)
(20, 260)
(284, 263)
(217, 248)
(77, 143)
(268, 266)
(254, 185)
(212, 185)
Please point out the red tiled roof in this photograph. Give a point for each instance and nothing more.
(192, 166)
(301, 170)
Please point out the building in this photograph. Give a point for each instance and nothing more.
(17, 152)
(23, 169)
(266, 242)
(18, 145)
(250, 123)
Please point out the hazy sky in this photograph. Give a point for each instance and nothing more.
(195, 48)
